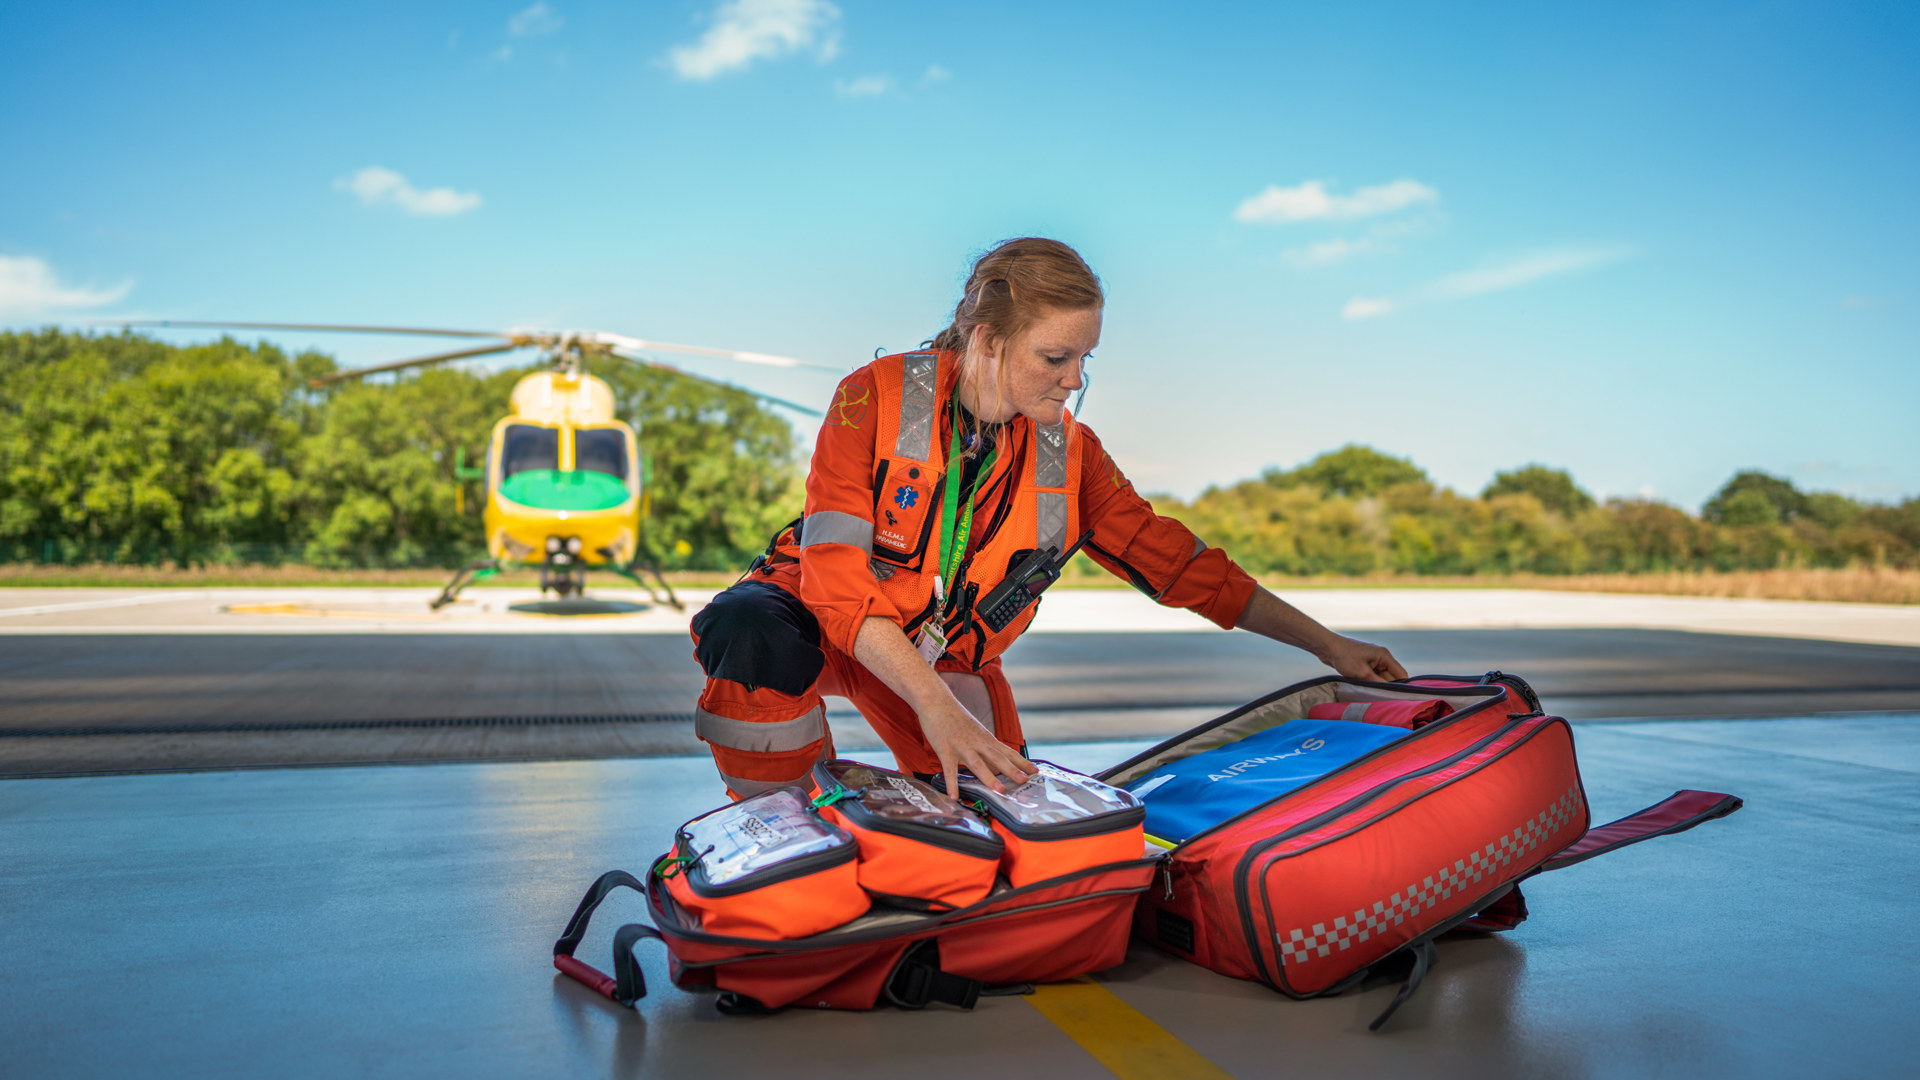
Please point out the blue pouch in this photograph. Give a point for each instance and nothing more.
(1190, 796)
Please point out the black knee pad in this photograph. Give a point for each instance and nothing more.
(759, 635)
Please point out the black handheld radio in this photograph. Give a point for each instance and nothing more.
(1029, 576)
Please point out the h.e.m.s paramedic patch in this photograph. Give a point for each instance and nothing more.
(1192, 795)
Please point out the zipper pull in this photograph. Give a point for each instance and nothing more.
(1166, 877)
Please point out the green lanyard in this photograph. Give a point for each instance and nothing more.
(956, 525)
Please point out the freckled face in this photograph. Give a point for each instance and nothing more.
(1043, 369)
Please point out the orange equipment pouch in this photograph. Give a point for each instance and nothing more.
(765, 867)
(1059, 822)
(916, 844)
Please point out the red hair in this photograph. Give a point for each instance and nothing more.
(1014, 284)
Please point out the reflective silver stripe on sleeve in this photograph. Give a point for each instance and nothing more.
(1050, 521)
(747, 789)
(775, 737)
(1050, 456)
(1199, 546)
(1356, 712)
(917, 406)
(834, 527)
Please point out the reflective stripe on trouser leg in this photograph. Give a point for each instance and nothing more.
(770, 739)
(1356, 712)
(762, 736)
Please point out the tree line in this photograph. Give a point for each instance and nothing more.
(120, 448)
(1356, 511)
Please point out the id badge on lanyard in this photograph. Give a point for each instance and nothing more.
(932, 642)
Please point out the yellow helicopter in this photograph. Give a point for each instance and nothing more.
(565, 477)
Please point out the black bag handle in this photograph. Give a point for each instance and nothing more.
(627, 984)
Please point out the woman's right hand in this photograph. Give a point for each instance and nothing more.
(961, 741)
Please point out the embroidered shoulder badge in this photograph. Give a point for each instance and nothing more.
(850, 405)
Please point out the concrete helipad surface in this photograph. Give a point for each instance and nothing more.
(343, 611)
(397, 922)
(105, 680)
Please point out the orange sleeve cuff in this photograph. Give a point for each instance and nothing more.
(1214, 587)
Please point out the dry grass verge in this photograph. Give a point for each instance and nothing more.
(1854, 585)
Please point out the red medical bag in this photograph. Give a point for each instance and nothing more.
(1047, 931)
(1377, 858)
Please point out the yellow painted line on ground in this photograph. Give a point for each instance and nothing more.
(329, 613)
(1118, 1035)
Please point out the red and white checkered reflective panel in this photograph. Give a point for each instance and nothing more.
(1344, 931)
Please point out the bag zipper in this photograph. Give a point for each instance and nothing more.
(943, 919)
(1364, 759)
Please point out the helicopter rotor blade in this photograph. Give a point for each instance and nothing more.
(618, 341)
(769, 398)
(326, 327)
(457, 354)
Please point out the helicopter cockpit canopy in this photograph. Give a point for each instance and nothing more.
(526, 447)
(601, 450)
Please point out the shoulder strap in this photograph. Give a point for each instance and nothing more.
(627, 985)
(1676, 813)
(917, 981)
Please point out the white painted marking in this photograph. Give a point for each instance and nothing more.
(158, 596)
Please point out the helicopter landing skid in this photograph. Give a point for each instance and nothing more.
(467, 575)
(647, 564)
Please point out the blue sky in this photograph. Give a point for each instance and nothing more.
(1651, 243)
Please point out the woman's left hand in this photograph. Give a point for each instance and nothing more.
(1361, 660)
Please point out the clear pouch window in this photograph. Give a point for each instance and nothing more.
(1054, 796)
(906, 800)
(756, 834)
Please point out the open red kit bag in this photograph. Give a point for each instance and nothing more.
(1384, 853)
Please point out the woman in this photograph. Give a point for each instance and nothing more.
(936, 475)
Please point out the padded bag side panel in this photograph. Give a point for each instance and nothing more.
(1330, 901)
(849, 977)
(1054, 934)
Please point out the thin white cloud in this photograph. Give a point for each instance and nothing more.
(1361, 307)
(864, 86)
(374, 185)
(535, 21)
(1311, 201)
(1327, 252)
(1521, 271)
(935, 74)
(744, 31)
(1509, 275)
(1859, 303)
(29, 287)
